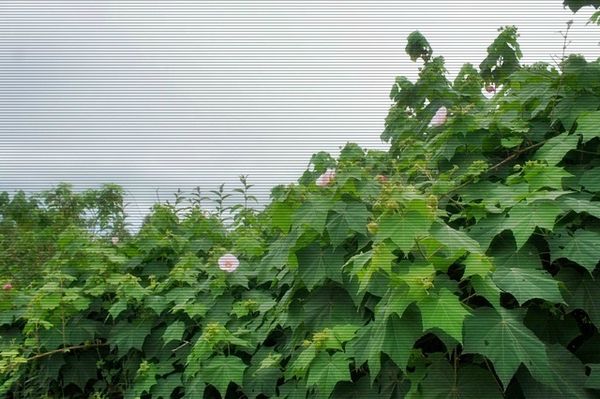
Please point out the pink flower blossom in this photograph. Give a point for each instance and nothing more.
(115, 240)
(381, 178)
(228, 263)
(7, 287)
(326, 178)
(440, 117)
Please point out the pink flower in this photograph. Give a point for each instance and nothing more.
(228, 263)
(381, 178)
(115, 240)
(490, 89)
(326, 178)
(7, 287)
(440, 117)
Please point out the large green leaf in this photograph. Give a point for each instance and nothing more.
(565, 378)
(545, 176)
(590, 180)
(476, 264)
(593, 381)
(412, 283)
(174, 332)
(506, 256)
(326, 371)
(220, 371)
(392, 335)
(500, 335)
(582, 292)
(588, 125)
(329, 306)
(444, 311)
(526, 284)
(554, 150)
(580, 247)
(405, 228)
(455, 240)
(524, 218)
(313, 214)
(581, 202)
(444, 382)
(400, 335)
(316, 263)
(127, 335)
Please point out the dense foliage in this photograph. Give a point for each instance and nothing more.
(460, 264)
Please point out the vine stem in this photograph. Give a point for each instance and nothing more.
(67, 349)
(496, 166)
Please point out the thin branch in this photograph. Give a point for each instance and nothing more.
(67, 349)
(496, 166)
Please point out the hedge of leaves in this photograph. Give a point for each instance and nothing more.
(460, 264)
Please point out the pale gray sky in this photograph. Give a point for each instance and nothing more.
(169, 94)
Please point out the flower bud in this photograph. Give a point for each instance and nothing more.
(373, 227)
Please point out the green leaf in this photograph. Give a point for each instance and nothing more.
(383, 257)
(581, 202)
(220, 371)
(565, 377)
(469, 381)
(524, 218)
(316, 263)
(127, 335)
(444, 311)
(329, 306)
(590, 180)
(455, 240)
(399, 336)
(554, 150)
(144, 381)
(580, 247)
(165, 386)
(326, 371)
(582, 293)
(526, 284)
(174, 332)
(506, 256)
(588, 125)
(301, 364)
(540, 175)
(338, 229)
(418, 46)
(501, 336)
(404, 229)
(313, 214)
(476, 264)
(487, 289)
(593, 381)
(569, 108)
(361, 389)
(410, 284)
(346, 218)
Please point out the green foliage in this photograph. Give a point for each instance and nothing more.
(462, 263)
